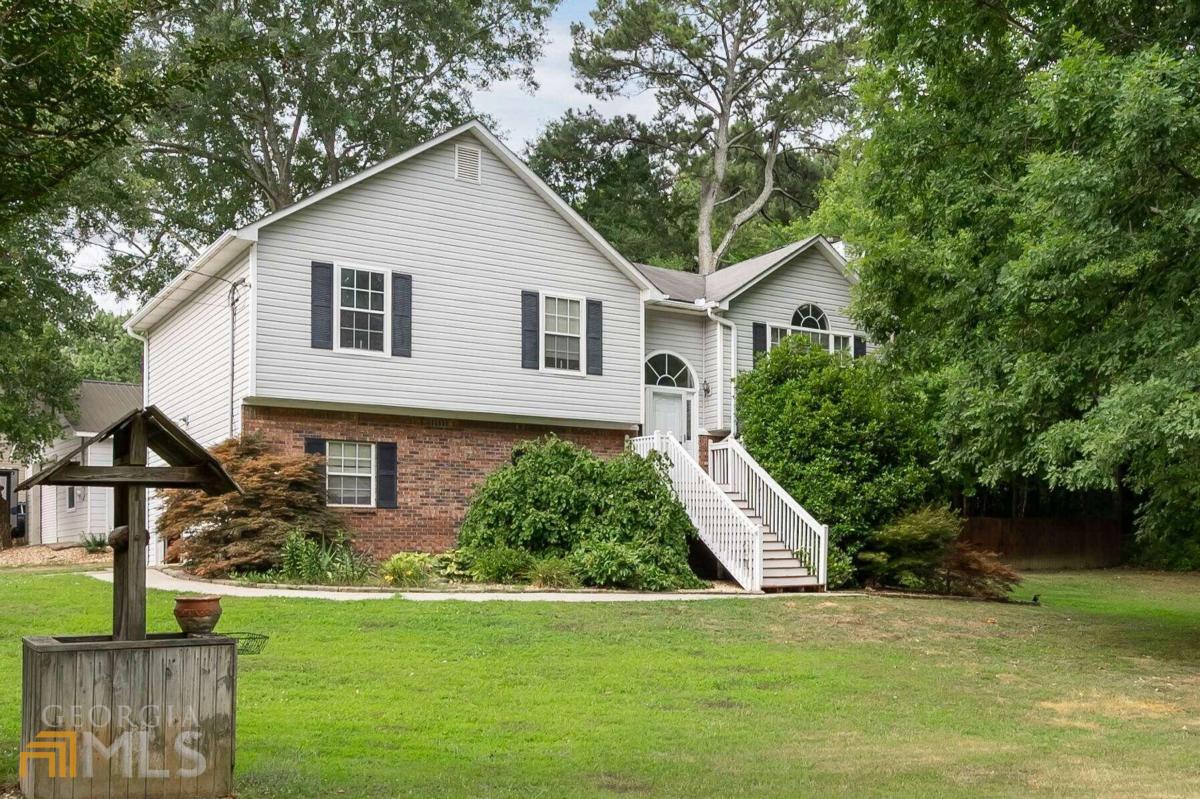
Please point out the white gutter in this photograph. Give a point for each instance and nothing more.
(732, 368)
(194, 268)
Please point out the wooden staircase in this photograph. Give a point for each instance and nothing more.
(760, 535)
(781, 569)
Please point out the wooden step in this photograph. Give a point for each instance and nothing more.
(784, 583)
(783, 553)
(794, 569)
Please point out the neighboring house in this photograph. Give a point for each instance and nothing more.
(12, 472)
(414, 322)
(68, 514)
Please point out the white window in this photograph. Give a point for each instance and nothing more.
(350, 473)
(362, 309)
(562, 337)
(812, 323)
(70, 497)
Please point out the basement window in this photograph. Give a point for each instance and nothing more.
(350, 474)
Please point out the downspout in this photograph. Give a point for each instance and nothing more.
(145, 363)
(233, 300)
(733, 350)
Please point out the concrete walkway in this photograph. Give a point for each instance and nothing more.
(166, 582)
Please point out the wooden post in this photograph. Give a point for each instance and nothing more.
(129, 567)
(120, 453)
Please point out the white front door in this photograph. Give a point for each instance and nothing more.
(670, 412)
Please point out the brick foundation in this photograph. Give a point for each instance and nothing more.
(440, 463)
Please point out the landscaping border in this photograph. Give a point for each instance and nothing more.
(488, 588)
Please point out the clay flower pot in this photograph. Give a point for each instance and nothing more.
(197, 615)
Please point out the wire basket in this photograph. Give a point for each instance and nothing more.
(248, 643)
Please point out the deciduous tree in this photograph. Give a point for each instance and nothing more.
(739, 84)
(1025, 195)
(316, 91)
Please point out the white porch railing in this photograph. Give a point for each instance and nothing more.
(734, 539)
(731, 465)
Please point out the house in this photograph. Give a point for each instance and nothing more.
(68, 514)
(414, 322)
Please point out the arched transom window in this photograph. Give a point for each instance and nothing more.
(810, 321)
(811, 317)
(665, 369)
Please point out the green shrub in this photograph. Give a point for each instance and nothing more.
(500, 564)
(558, 499)
(922, 551)
(94, 544)
(607, 564)
(313, 562)
(453, 564)
(553, 571)
(408, 569)
(839, 568)
(850, 439)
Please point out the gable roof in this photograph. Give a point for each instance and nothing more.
(100, 403)
(725, 284)
(232, 243)
(165, 439)
(676, 284)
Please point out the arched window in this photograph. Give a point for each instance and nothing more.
(665, 369)
(811, 322)
(810, 317)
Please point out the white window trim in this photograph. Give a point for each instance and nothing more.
(562, 295)
(771, 343)
(478, 153)
(72, 498)
(374, 476)
(337, 309)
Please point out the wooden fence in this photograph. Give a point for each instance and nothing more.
(1048, 543)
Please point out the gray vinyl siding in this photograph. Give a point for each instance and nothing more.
(187, 360)
(91, 514)
(713, 408)
(809, 278)
(471, 249)
(681, 334)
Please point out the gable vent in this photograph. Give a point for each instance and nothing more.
(468, 164)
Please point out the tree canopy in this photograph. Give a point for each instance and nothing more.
(740, 85)
(1024, 194)
(313, 92)
(67, 93)
(104, 351)
(612, 172)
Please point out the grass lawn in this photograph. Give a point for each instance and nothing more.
(1095, 694)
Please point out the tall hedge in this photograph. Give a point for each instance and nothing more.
(850, 440)
(618, 520)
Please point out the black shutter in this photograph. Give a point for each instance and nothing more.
(758, 338)
(595, 337)
(385, 475)
(316, 446)
(860, 346)
(530, 329)
(322, 306)
(402, 315)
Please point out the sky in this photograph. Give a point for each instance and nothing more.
(519, 114)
